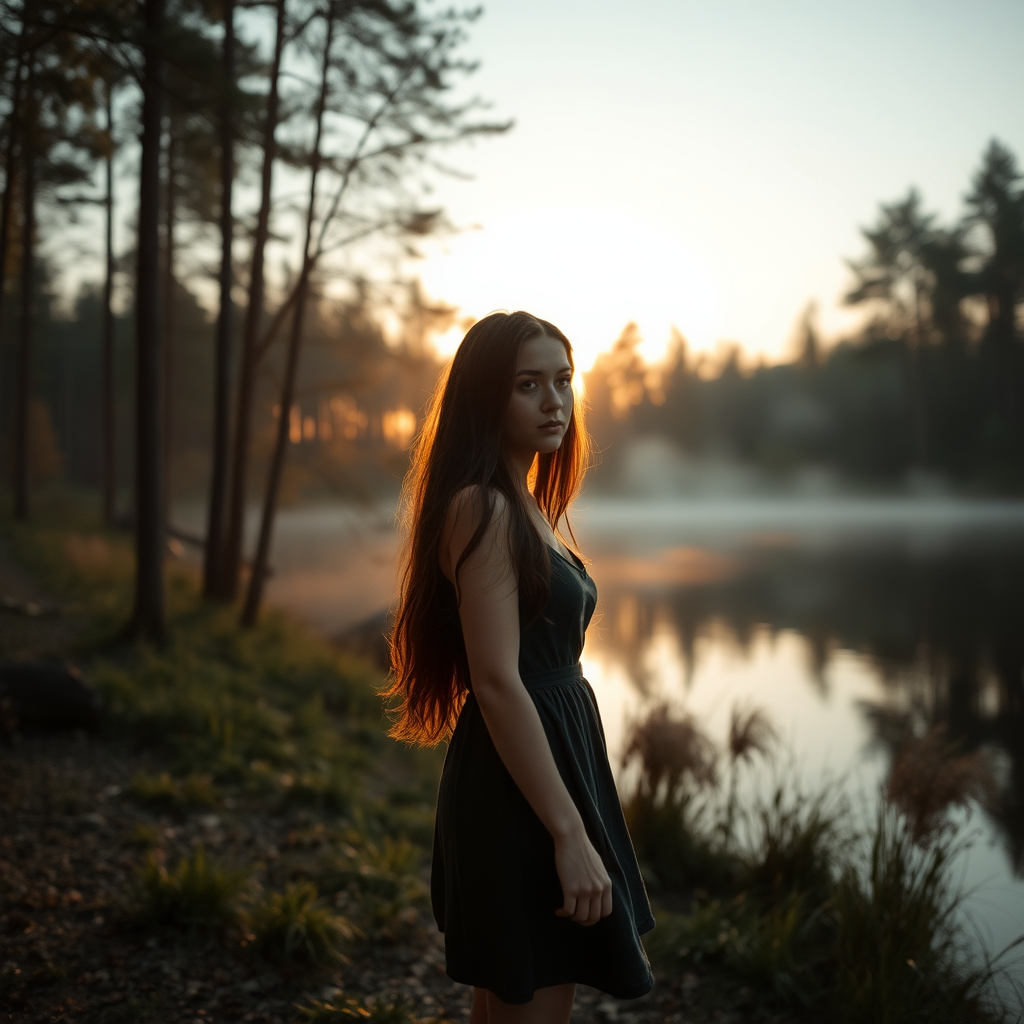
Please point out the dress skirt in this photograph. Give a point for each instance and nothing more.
(494, 887)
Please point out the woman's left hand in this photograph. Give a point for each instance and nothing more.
(586, 887)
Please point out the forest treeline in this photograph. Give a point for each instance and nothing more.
(932, 384)
(218, 135)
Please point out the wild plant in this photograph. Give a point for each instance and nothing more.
(377, 885)
(929, 775)
(672, 750)
(295, 927)
(899, 951)
(750, 733)
(197, 895)
(793, 842)
(668, 814)
(777, 947)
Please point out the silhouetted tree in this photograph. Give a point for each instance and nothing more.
(28, 238)
(148, 616)
(230, 560)
(107, 406)
(14, 66)
(996, 206)
(391, 70)
(254, 594)
(219, 478)
(894, 274)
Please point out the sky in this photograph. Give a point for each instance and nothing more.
(708, 165)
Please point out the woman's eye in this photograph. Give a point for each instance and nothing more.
(565, 382)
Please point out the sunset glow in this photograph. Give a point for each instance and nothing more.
(588, 271)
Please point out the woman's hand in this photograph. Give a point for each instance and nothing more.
(586, 887)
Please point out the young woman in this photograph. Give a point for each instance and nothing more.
(534, 881)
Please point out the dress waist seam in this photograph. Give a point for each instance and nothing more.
(552, 677)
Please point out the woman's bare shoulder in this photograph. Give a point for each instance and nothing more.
(466, 511)
(470, 503)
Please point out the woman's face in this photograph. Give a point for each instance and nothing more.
(540, 408)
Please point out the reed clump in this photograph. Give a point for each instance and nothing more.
(786, 898)
(929, 775)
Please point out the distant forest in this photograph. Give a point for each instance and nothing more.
(932, 387)
(351, 421)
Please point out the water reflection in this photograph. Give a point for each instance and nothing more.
(939, 626)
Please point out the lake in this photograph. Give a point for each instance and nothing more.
(848, 621)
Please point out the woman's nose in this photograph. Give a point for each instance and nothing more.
(552, 398)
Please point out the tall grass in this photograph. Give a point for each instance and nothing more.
(377, 884)
(902, 952)
(864, 929)
(197, 895)
(294, 926)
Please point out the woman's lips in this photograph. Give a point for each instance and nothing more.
(552, 427)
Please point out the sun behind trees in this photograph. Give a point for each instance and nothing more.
(352, 99)
(933, 384)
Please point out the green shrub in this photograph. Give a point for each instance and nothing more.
(779, 947)
(293, 926)
(198, 895)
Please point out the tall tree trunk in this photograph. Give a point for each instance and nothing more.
(254, 595)
(11, 174)
(28, 231)
(148, 619)
(107, 384)
(231, 562)
(167, 320)
(214, 562)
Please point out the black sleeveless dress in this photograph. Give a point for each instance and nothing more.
(494, 887)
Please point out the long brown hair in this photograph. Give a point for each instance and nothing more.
(460, 446)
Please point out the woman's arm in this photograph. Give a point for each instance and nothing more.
(489, 611)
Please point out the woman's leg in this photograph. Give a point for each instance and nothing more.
(549, 1006)
(478, 1015)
